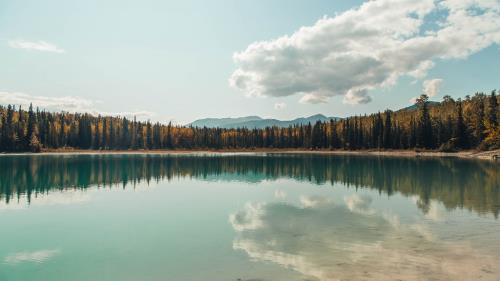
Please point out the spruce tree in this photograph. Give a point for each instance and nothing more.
(460, 129)
(492, 111)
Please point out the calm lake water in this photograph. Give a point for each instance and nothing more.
(247, 217)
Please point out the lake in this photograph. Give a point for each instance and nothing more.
(248, 217)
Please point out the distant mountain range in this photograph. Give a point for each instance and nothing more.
(252, 122)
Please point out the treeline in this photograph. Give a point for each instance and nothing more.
(472, 123)
(467, 184)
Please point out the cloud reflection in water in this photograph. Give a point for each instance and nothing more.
(329, 241)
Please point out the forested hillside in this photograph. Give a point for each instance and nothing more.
(448, 126)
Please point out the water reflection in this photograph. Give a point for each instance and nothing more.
(33, 257)
(455, 183)
(353, 241)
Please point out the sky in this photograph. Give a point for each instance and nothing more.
(184, 60)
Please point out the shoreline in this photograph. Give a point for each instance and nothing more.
(483, 155)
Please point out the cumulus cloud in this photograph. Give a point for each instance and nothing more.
(67, 103)
(37, 46)
(431, 87)
(36, 256)
(313, 98)
(366, 48)
(357, 97)
(279, 105)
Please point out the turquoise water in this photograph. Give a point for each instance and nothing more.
(247, 217)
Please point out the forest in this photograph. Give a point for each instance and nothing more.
(449, 125)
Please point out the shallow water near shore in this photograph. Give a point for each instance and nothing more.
(248, 217)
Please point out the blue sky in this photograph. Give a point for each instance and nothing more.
(173, 60)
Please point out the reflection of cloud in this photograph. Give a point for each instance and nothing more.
(254, 251)
(37, 46)
(422, 230)
(327, 241)
(359, 203)
(36, 257)
(248, 219)
(280, 194)
(393, 219)
(435, 212)
(314, 201)
(49, 199)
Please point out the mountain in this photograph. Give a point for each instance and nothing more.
(415, 106)
(256, 122)
(222, 122)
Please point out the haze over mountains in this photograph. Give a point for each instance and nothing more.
(261, 123)
(256, 122)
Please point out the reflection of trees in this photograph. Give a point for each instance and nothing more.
(457, 183)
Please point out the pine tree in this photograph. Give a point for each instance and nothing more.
(480, 128)
(387, 130)
(32, 134)
(97, 134)
(492, 111)
(460, 129)
(424, 133)
(316, 135)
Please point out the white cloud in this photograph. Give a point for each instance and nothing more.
(67, 103)
(36, 257)
(313, 98)
(279, 105)
(140, 114)
(37, 46)
(431, 87)
(366, 48)
(357, 97)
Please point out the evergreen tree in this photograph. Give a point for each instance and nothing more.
(387, 130)
(480, 128)
(460, 130)
(492, 111)
(32, 133)
(424, 132)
